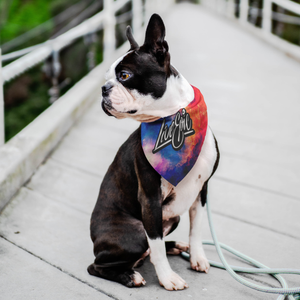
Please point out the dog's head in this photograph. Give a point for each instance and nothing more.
(139, 83)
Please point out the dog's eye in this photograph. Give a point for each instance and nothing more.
(124, 75)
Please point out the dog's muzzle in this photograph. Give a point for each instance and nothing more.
(106, 103)
(106, 89)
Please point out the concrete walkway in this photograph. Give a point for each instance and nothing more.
(253, 96)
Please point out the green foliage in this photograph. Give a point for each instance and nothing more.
(19, 16)
(20, 115)
(27, 96)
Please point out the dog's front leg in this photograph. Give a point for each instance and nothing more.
(150, 198)
(166, 276)
(152, 219)
(198, 258)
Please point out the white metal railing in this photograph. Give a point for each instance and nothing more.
(228, 8)
(1, 106)
(105, 20)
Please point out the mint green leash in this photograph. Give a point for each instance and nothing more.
(293, 293)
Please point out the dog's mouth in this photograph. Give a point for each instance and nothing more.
(106, 107)
(131, 112)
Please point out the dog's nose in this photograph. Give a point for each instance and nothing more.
(106, 88)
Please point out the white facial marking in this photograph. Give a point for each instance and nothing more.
(111, 73)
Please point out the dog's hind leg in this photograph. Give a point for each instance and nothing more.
(175, 248)
(116, 254)
(121, 274)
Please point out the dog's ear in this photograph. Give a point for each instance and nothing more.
(155, 38)
(133, 44)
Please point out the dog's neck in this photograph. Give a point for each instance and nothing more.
(179, 93)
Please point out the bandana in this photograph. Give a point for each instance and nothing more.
(172, 144)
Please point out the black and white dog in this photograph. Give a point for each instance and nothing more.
(137, 207)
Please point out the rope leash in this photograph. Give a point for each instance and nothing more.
(292, 293)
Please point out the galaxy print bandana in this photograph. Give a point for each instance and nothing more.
(172, 144)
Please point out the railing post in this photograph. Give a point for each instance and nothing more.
(230, 8)
(215, 5)
(54, 91)
(109, 40)
(150, 8)
(136, 15)
(244, 7)
(267, 16)
(221, 6)
(157, 6)
(2, 136)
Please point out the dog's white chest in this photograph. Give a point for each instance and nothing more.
(186, 192)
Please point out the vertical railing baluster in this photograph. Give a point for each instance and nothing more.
(221, 6)
(230, 8)
(90, 40)
(151, 7)
(136, 15)
(2, 135)
(54, 91)
(267, 17)
(147, 10)
(109, 40)
(244, 7)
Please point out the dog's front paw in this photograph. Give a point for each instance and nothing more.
(199, 263)
(172, 281)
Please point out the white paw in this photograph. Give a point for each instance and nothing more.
(172, 281)
(179, 247)
(199, 263)
(138, 279)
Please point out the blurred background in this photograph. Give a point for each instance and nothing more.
(27, 23)
(244, 57)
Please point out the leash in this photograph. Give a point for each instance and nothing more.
(292, 293)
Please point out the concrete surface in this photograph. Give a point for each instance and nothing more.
(252, 92)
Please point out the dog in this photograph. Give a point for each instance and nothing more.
(137, 207)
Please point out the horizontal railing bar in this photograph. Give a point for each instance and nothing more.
(267, 14)
(33, 58)
(124, 17)
(276, 16)
(289, 5)
(19, 53)
(90, 25)
(86, 13)
(286, 4)
(58, 19)
(285, 18)
(36, 56)
(119, 4)
(13, 55)
(26, 62)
